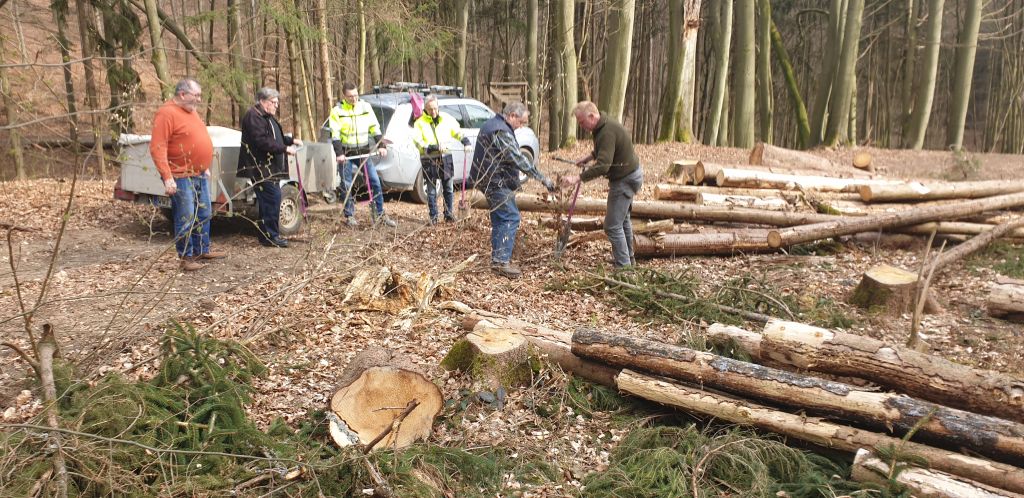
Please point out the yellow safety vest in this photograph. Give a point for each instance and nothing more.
(353, 125)
(427, 131)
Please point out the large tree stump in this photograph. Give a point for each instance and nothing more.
(492, 356)
(1006, 299)
(891, 289)
(374, 390)
(681, 171)
(922, 483)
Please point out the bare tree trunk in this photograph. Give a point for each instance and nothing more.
(799, 109)
(10, 114)
(323, 43)
(618, 51)
(925, 93)
(909, 68)
(159, 57)
(533, 98)
(744, 76)
(827, 71)
(462, 21)
(60, 17)
(676, 51)
(841, 101)
(91, 93)
(567, 46)
(556, 100)
(691, 27)
(722, 41)
(361, 62)
(967, 47)
(765, 98)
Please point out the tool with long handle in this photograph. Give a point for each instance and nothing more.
(463, 206)
(563, 234)
(303, 205)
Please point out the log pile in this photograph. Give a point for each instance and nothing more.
(965, 423)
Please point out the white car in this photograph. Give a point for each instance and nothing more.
(400, 170)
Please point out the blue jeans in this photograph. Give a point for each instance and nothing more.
(448, 191)
(348, 171)
(504, 223)
(190, 209)
(268, 197)
(617, 225)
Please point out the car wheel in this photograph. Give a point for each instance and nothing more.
(419, 189)
(290, 221)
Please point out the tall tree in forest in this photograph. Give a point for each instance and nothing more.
(927, 72)
(238, 72)
(361, 61)
(909, 67)
(841, 99)
(963, 74)
(722, 15)
(159, 55)
(59, 9)
(670, 103)
(7, 106)
(765, 99)
(565, 45)
(691, 28)
(827, 70)
(118, 42)
(743, 76)
(462, 24)
(324, 44)
(618, 51)
(799, 109)
(556, 94)
(88, 45)
(532, 73)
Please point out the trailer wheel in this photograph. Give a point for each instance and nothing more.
(290, 221)
(419, 189)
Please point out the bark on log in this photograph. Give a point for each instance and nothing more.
(705, 243)
(891, 289)
(720, 200)
(845, 226)
(681, 171)
(957, 227)
(493, 357)
(758, 179)
(1006, 301)
(769, 155)
(895, 367)
(990, 436)
(976, 243)
(922, 483)
(916, 191)
(374, 389)
(707, 173)
(812, 429)
(688, 193)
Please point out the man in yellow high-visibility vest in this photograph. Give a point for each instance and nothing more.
(356, 132)
(429, 134)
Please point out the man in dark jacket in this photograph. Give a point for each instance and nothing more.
(615, 159)
(262, 158)
(497, 163)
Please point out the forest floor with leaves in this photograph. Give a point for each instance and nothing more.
(116, 285)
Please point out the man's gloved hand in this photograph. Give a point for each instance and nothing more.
(548, 184)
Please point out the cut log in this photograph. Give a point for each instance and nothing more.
(813, 430)
(990, 436)
(895, 367)
(922, 483)
(862, 160)
(1006, 301)
(846, 226)
(891, 289)
(707, 173)
(957, 227)
(681, 171)
(688, 193)
(577, 224)
(374, 389)
(706, 243)
(493, 357)
(976, 243)
(769, 155)
(720, 200)
(758, 179)
(916, 191)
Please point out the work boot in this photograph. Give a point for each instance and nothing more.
(505, 269)
(189, 263)
(433, 220)
(213, 255)
(385, 220)
(351, 221)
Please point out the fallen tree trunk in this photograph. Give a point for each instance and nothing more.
(956, 227)
(812, 429)
(1006, 301)
(922, 483)
(681, 171)
(976, 243)
(707, 173)
(720, 200)
(845, 226)
(987, 435)
(895, 367)
(770, 155)
(757, 179)
(705, 243)
(916, 191)
(688, 193)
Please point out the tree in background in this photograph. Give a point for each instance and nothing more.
(618, 51)
(963, 74)
(744, 76)
(925, 93)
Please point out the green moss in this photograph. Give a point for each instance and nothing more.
(460, 357)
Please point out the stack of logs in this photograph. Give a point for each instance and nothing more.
(807, 384)
(784, 198)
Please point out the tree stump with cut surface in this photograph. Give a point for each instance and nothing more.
(891, 289)
(492, 356)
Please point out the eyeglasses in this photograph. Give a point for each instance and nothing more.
(275, 102)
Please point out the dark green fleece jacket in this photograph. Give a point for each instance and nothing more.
(613, 152)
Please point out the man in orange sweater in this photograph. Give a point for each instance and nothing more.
(182, 151)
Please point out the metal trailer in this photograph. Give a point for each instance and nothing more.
(231, 195)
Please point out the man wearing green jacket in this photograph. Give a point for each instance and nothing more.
(613, 157)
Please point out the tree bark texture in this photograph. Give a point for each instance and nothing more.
(893, 366)
(921, 482)
(927, 72)
(722, 42)
(963, 74)
(765, 98)
(1006, 301)
(841, 101)
(988, 435)
(566, 44)
(759, 179)
(916, 191)
(827, 71)
(744, 69)
(812, 429)
(675, 52)
(618, 52)
(766, 154)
